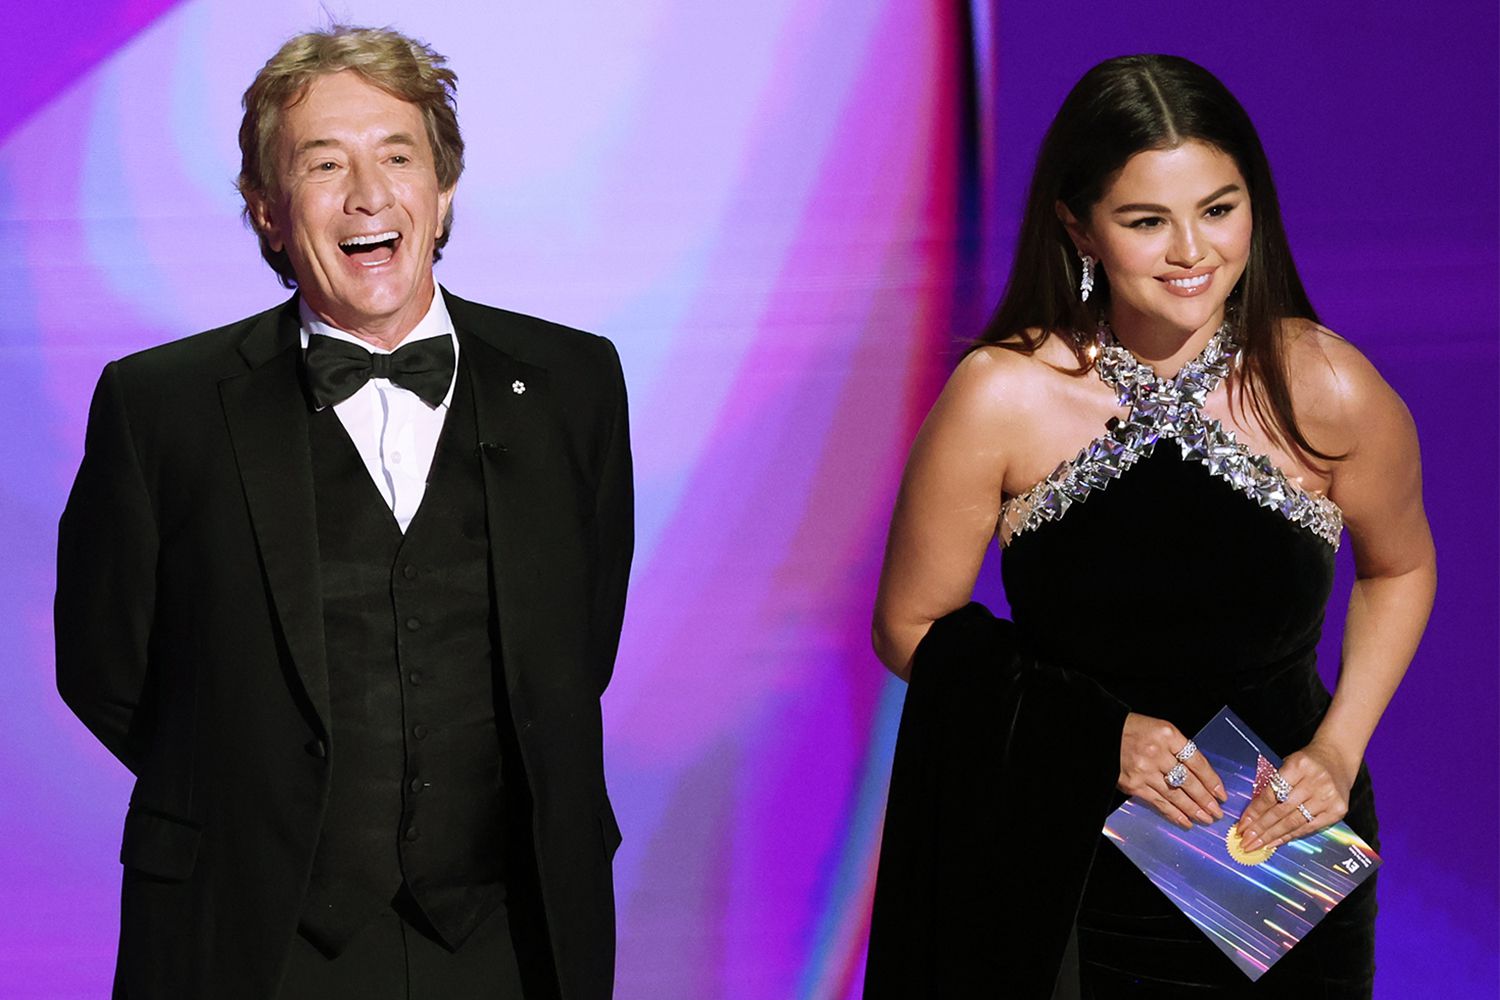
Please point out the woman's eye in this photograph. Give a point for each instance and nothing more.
(1149, 222)
(1219, 211)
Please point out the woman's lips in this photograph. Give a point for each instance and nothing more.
(1187, 284)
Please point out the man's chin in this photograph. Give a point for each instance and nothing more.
(375, 311)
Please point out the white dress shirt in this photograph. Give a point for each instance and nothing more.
(393, 429)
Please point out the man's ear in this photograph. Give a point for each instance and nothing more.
(263, 218)
(445, 205)
(1077, 231)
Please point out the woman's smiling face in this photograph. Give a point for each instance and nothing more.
(1172, 234)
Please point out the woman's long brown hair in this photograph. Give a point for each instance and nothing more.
(1122, 107)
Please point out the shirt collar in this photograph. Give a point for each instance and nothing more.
(435, 323)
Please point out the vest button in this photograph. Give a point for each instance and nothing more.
(316, 748)
(412, 624)
(417, 784)
(415, 678)
(412, 833)
(419, 731)
(409, 571)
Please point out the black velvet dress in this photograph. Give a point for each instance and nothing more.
(1181, 573)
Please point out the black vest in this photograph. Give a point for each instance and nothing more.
(415, 788)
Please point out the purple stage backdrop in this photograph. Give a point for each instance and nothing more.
(783, 213)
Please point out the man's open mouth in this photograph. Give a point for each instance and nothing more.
(372, 249)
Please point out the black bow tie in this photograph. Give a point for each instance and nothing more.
(336, 368)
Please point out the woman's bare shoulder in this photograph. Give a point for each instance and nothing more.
(993, 375)
(1335, 387)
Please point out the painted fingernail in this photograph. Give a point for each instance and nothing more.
(1203, 817)
(1223, 795)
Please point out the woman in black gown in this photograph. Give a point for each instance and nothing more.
(1214, 441)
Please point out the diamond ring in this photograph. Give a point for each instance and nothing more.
(1303, 810)
(1281, 787)
(1187, 752)
(1176, 776)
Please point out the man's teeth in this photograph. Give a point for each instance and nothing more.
(1188, 282)
(359, 241)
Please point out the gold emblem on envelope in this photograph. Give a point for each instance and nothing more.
(1238, 853)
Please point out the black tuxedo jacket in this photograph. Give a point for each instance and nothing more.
(190, 632)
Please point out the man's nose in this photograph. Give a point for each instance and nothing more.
(369, 190)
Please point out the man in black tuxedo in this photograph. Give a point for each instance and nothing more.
(342, 583)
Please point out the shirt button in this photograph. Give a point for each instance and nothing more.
(412, 833)
(409, 571)
(412, 624)
(396, 457)
(419, 731)
(415, 677)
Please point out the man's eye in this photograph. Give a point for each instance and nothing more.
(326, 166)
(400, 160)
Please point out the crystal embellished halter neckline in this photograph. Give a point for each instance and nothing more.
(1167, 408)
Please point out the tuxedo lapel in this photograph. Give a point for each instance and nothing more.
(510, 410)
(266, 410)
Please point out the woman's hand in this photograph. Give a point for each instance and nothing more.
(1321, 778)
(1148, 752)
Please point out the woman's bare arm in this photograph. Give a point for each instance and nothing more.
(948, 505)
(1379, 488)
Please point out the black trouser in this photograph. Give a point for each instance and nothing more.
(397, 956)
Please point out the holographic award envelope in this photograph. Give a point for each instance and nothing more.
(1254, 906)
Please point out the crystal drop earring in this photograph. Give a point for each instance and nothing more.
(1086, 282)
